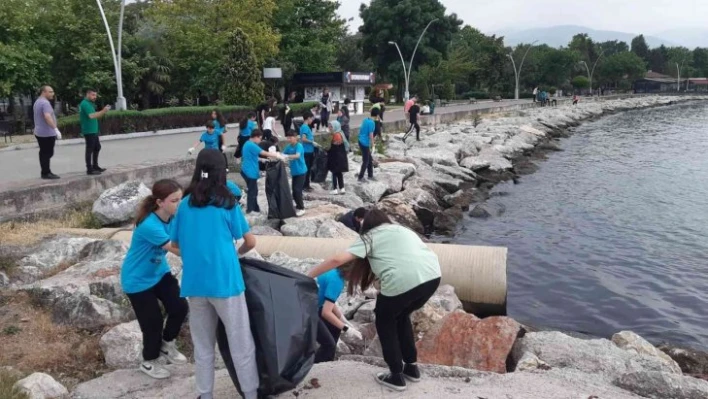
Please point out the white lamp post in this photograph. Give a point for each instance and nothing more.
(407, 72)
(117, 56)
(591, 73)
(517, 72)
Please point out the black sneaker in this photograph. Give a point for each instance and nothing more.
(92, 172)
(98, 168)
(50, 176)
(411, 372)
(391, 381)
(360, 180)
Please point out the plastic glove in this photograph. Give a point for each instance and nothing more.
(353, 333)
(316, 145)
(190, 151)
(223, 148)
(58, 133)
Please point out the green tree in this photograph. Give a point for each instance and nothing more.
(240, 72)
(580, 82)
(612, 47)
(626, 65)
(350, 56)
(448, 92)
(482, 59)
(640, 47)
(658, 59)
(22, 70)
(402, 21)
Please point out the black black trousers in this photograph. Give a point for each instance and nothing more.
(93, 147)
(393, 324)
(324, 115)
(252, 195)
(337, 180)
(416, 126)
(309, 160)
(367, 162)
(46, 152)
(146, 305)
(297, 186)
(327, 337)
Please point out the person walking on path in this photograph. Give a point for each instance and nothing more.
(263, 109)
(413, 112)
(207, 223)
(535, 93)
(307, 138)
(45, 130)
(147, 281)
(295, 152)
(366, 142)
(337, 160)
(409, 273)
(326, 106)
(89, 129)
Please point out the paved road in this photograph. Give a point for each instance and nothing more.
(23, 165)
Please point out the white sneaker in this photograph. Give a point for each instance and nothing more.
(299, 212)
(154, 370)
(342, 191)
(334, 192)
(170, 352)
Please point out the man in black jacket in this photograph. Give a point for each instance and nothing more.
(353, 219)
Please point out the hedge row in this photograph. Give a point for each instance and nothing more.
(118, 122)
(483, 95)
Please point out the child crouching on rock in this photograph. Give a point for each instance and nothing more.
(147, 280)
(409, 273)
(207, 222)
(337, 160)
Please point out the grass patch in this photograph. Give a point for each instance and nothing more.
(32, 231)
(11, 330)
(7, 380)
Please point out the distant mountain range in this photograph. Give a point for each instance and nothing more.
(556, 36)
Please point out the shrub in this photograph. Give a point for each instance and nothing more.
(118, 122)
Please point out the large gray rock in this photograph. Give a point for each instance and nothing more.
(456, 172)
(658, 385)
(422, 202)
(348, 200)
(632, 342)
(365, 313)
(122, 345)
(309, 224)
(265, 231)
(4, 280)
(40, 386)
(119, 204)
(368, 190)
(299, 265)
(401, 212)
(402, 168)
(599, 356)
(50, 255)
(334, 229)
(442, 303)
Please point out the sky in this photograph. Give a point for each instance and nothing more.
(632, 16)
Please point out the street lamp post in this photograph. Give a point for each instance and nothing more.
(591, 73)
(517, 72)
(117, 56)
(407, 72)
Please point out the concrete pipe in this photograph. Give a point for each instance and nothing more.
(477, 273)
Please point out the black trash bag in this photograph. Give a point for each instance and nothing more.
(282, 308)
(280, 200)
(319, 166)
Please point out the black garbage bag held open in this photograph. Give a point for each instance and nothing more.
(280, 200)
(319, 166)
(282, 308)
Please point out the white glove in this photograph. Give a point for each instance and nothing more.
(190, 151)
(223, 148)
(353, 333)
(316, 145)
(56, 130)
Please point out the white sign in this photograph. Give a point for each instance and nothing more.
(272, 73)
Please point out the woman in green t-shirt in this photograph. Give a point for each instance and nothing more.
(409, 273)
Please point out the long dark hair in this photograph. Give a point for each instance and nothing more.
(244, 122)
(220, 118)
(208, 185)
(361, 273)
(160, 190)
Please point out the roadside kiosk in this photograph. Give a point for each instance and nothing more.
(341, 85)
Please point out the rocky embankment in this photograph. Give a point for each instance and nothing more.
(426, 185)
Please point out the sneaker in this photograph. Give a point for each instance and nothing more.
(50, 176)
(100, 169)
(391, 381)
(154, 370)
(92, 172)
(372, 178)
(334, 192)
(342, 191)
(170, 352)
(360, 180)
(299, 212)
(411, 372)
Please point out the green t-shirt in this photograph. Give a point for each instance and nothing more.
(398, 257)
(88, 125)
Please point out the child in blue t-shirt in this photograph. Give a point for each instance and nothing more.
(247, 126)
(298, 169)
(307, 138)
(210, 138)
(208, 221)
(366, 141)
(331, 323)
(249, 168)
(147, 281)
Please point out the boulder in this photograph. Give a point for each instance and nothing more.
(40, 386)
(257, 218)
(348, 200)
(334, 229)
(446, 223)
(658, 385)
(4, 280)
(464, 198)
(530, 362)
(118, 204)
(630, 341)
(475, 163)
(456, 172)
(89, 311)
(374, 348)
(442, 303)
(403, 168)
(368, 190)
(422, 202)
(51, 254)
(354, 339)
(691, 361)
(350, 304)
(480, 212)
(463, 340)
(309, 224)
(598, 356)
(393, 181)
(365, 313)
(342, 349)
(122, 345)
(290, 263)
(445, 153)
(265, 231)
(401, 212)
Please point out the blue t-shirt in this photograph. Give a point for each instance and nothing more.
(249, 160)
(217, 126)
(211, 141)
(250, 126)
(307, 132)
(235, 190)
(367, 127)
(146, 264)
(330, 285)
(297, 166)
(206, 240)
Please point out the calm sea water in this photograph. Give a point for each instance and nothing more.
(612, 233)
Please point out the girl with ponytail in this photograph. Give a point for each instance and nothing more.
(147, 281)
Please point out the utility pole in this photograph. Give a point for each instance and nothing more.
(591, 73)
(117, 55)
(517, 72)
(407, 72)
